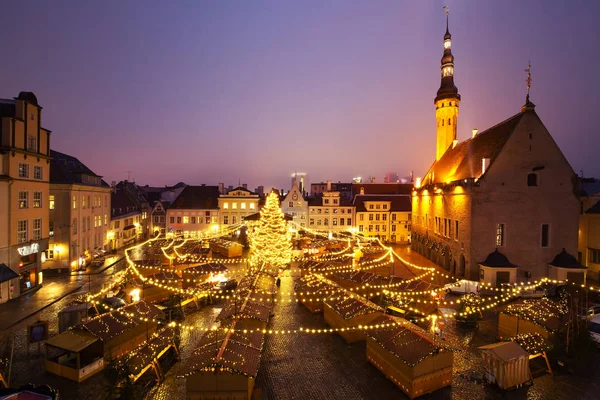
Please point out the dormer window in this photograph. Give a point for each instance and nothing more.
(532, 179)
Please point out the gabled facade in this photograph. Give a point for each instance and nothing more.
(589, 227)
(24, 194)
(295, 205)
(125, 220)
(387, 217)
(195, 212)
(509, 188)
(237, 204)
(80, 208)
(330, 212)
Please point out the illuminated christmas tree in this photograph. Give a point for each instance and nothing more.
(270, 240)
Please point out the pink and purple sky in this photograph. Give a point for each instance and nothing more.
(216, 91)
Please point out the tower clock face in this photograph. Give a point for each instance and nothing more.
(295, 196)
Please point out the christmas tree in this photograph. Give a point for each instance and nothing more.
(270, 241)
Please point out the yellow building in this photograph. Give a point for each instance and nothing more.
(387, 217)
(589, 227)
(80, 207)
(24, 191)
(509, 187)
(237, 204)
(330, 212)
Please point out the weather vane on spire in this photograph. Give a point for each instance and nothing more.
(528, 80)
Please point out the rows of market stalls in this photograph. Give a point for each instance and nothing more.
(133, 321)
(409, 348)
(225, 363)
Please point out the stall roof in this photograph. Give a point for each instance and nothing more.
(505, 351)
(235, 351)
(348, 307)
(114, 323)
(401, 340)
(72, 340)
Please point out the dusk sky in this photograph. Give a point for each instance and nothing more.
(215, 91)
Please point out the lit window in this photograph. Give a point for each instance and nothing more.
(252, 206)
(74, 202)
(225, 206)
(23, 199)
(37, 199)
(186, 219)
(234, 206)
(243, 205)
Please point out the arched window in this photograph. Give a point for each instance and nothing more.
(442, 122)
(532, 179)
(449, 122)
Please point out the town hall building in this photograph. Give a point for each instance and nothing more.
(508, 188)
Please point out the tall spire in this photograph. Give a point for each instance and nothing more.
(447, 99)
(447, 88)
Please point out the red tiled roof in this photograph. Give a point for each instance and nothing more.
(465, 160)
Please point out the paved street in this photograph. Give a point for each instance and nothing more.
(296, 366)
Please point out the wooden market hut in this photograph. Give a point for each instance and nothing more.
(223, 366)
(350, 311)
(506, 364)
(80, 352)
(542, 316)
(226, 248)
(408, 356)
(156, 287)
(147, 356)
(353, 280)
(250, 310)
(311, 292)
(203, 273)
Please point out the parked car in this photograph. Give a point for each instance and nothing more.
(226, 284)
(592, 311)
(594, 328)
(463, 286)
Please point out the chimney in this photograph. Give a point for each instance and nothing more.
(455, 142)
(329, 185)
(475, 132)
(485, 163)
(362, 190)
(245, 185)
(221, 188)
